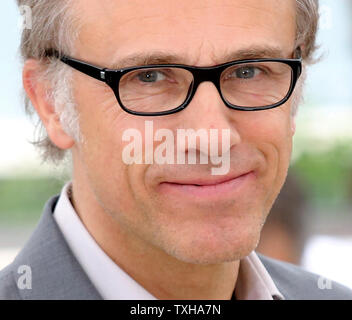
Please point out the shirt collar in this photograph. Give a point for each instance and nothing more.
(113, 283)
(254, 281)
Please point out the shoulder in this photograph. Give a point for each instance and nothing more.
(8, 288)
(11, 274)
(46, 268)
(295, 283)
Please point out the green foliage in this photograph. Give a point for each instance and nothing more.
(22, 199)
(327, 174)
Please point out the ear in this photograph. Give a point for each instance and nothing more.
(36, 90)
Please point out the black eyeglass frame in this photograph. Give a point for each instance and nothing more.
(200, 74)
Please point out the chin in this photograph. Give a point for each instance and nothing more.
(207, 249)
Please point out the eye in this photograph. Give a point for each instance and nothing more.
(151, 76)
(246, 72)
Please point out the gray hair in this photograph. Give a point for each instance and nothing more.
(54, 27)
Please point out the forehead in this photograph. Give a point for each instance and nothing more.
(202, 32)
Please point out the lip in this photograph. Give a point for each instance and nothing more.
(206, 188)
(207, 182)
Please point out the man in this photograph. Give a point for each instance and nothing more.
(131, 226)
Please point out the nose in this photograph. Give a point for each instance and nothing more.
(206, 111)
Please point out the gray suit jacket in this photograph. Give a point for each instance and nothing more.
(56, 274)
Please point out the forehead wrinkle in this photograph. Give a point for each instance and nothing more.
(205, 56)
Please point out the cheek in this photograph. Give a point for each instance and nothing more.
(271, 133)
(102, 123)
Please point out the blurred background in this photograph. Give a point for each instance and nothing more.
(310, 223)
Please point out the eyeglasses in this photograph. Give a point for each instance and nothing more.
(155, 90)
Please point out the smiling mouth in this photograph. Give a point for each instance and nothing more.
(209, 183)
(207, 189)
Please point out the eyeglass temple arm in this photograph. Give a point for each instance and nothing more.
(93, 71)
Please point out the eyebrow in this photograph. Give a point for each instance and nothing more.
(160, 57)
(256, 53)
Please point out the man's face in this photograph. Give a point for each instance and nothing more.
(152, 202)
